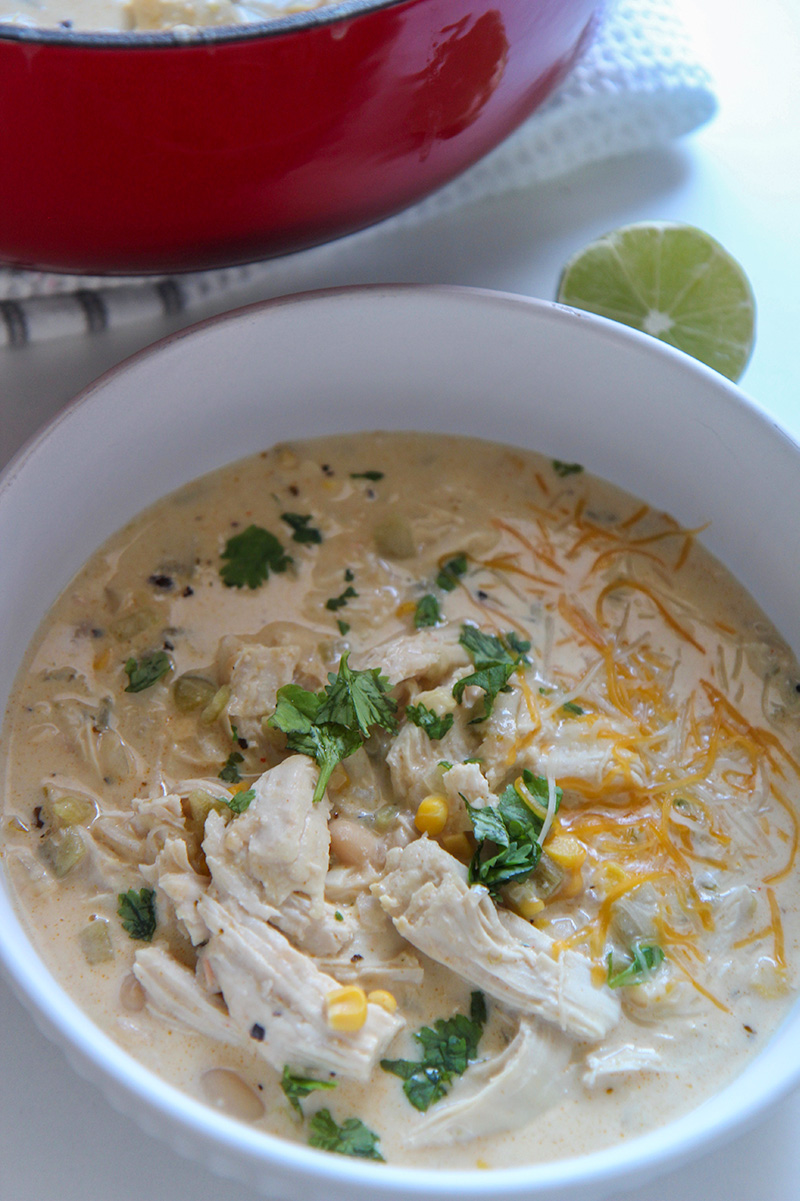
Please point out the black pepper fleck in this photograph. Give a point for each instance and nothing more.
(257, 1032)
(327, 469)
(164, 582)
(37, 817)
(355, 958)
(482, 596)
(242, 743)
(168, 646)
(188, 591)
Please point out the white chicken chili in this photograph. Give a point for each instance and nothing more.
(414, 797)
(148, 16)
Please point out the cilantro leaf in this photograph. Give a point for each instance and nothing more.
(351, 1138)
(565, 469)
(434, 726)
(298, 1087)
(358, 697)
(302, 531)
(137, 911)
(496, 658)
(450, 572)
(147, 671)
(230, 771)
(337, 602)
(366, 475)
(251, 556)
(240, 802)
(512, 828)
(330, 725)
(447, 1049)
(571, 707)
(427, 612)
(645, 959)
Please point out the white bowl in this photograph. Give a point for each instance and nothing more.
(518, 371)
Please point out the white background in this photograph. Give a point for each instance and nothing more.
(739, 179)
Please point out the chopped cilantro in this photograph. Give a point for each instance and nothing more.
(427, 612)
(366, 475)
(447, 1048)
(298, 1087)
(644, 961)
(348, 575)
(496, 658)
(230, 771)
(571, 707)
(450, 572)
(240, 801)
(338, 602)
(251, 556)
(344, 626)
(138, 913)
(565, 469)
(351, 1138)
(512, 829)
(339, 917)
(434, 726)
(302, 531)
(144, 674)
(331, 724)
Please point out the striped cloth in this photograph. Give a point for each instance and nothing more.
(639, 85)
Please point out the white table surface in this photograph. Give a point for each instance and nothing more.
(739, 178)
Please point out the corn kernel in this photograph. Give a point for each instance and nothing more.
(431, 816)
(100, 660)
(383, 998)
(347, 1008)
(566, 851)
(459, 846)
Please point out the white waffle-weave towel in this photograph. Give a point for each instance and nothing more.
(638, 85)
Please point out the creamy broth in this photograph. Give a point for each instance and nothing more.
(148, 16)
(541, 657)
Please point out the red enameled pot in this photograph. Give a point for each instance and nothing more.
(148, 153)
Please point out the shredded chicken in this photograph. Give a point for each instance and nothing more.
(503, 1091)
(426, 893)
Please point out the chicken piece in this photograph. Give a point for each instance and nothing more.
(318, 934)
(174, 994)
(428, 655)
(277, 847)
(619, 1061)
(426, 894)
(174, 875)
(256, 674)
(376, 955)
(413, 762)
(589, 752)
(506, 730)
(502, 1092)
(460, 781)
(276, 997)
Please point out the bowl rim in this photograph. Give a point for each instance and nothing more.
(203, 36)
(662, 1149)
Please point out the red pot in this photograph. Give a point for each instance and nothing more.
(123, 153)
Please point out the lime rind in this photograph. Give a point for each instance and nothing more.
(672, 281)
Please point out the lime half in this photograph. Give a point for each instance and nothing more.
(672, 281)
